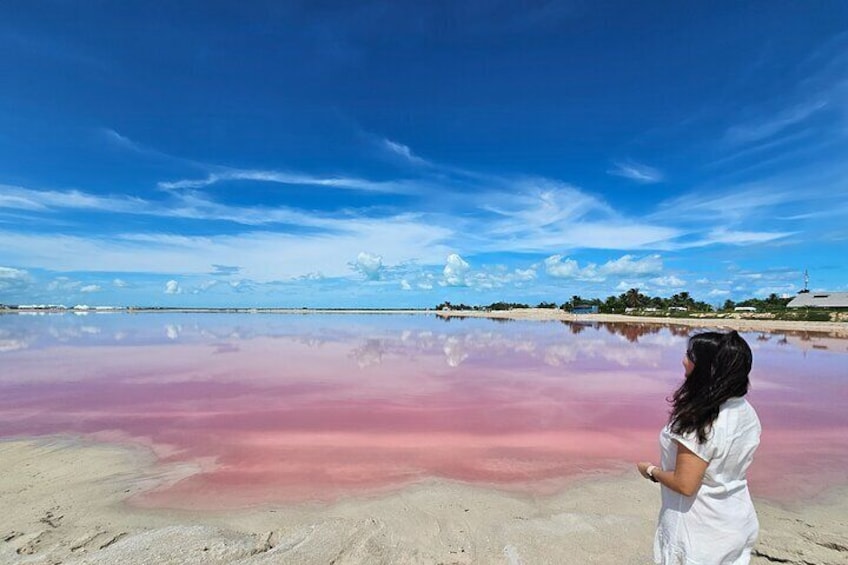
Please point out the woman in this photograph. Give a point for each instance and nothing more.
(707, 516)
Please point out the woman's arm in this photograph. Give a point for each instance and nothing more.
(687, 475)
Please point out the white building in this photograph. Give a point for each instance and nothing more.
(820, 300)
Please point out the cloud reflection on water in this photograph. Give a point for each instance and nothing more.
(298, 407)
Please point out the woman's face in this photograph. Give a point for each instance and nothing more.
(688, 365)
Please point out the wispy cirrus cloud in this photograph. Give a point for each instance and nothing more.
(121, 140)
(294, 179)
(404, 152)
(733, 203)
(637, 172)
(18, 197)
(262, 255)
(766, 128)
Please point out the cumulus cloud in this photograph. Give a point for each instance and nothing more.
(426, 282)
(559, 267)
(669, 281)
(90, 288)
(525, 274)
(172, 287)
(370, 265)
(14, 279)
(718, 292)
(555, 266)
(625, 285)
(313, 276)
(455, 271)
(205, 285)
(242, 285)
(120, 283)
(627, 264)
(64, 284)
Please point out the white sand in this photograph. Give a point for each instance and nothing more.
(66, 501)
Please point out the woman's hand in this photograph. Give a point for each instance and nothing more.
(643, 468)
(686, 476)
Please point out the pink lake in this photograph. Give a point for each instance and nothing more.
(291, 408)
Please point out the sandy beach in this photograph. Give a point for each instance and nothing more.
(739, 322)
(66, 501)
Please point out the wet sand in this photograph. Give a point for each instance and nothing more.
(69, 501)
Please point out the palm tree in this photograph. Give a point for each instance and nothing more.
(631, 298)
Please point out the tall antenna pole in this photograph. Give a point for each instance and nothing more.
(806, 280)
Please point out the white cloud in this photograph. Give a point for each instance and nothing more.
(120, 283)
(558, 267)
(627, 264)
(776, 123)
(738, 237)
(63, 284)
(397, 238)
(718, 292)
(627, 285)
(669, 281)
(455, 271)
(369, 265)
(14, 279)
(17, 197)
(779, 290)
(120, 140)
(404, 285)
(525, 274)
(206, 285)
(287, 178)
(403, 151)
(313, 276)
(636, 171)
(172, 287)
(90, 288)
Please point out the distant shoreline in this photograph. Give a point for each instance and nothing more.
(737, 321)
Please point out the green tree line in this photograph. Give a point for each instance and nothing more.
(635, 300)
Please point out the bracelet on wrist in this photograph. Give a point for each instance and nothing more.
(650, 472)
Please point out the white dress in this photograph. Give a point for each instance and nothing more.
(718, 525)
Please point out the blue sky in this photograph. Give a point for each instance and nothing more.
(405, 153)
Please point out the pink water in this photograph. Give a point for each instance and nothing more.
(287, 408)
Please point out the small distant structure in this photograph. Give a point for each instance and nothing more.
(806, 283)
(679, 308)
(585, 309)
(819, 300)
(745, 309)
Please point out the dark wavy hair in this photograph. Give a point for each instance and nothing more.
(722, 364)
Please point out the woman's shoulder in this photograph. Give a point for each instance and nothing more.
(738, 412)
